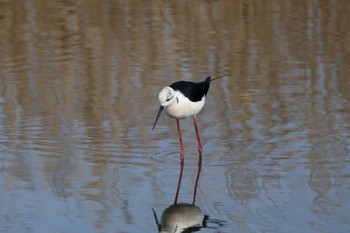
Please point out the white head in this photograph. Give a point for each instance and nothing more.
(166, 96)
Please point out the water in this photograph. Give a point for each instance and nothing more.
(78, 97)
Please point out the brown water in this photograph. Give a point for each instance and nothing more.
(79, 82)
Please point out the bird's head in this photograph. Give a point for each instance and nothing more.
(166, 96)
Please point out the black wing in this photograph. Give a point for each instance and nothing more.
(193, 91)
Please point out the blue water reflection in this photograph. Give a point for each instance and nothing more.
(184, 216)
(78, 96)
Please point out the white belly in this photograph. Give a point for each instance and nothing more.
(183, 107)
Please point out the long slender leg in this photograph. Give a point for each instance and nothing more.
(198, 140)
(179, 183)
(182, 153)
(196, 184)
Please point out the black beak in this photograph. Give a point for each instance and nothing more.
(160, 111)
(157, 221)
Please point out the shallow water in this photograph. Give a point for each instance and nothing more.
(78, 96)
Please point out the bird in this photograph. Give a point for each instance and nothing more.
(181, 100)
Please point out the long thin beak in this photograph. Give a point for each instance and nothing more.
(160, 111)
(157, 221)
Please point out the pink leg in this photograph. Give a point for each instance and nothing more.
(179, 183)
(198, 140)
(182, 153)
(196, 184)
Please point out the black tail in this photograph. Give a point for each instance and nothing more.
(206, 83)
(212, 79)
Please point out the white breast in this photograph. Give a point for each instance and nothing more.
(183, 107)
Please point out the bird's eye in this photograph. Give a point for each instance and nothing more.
(167, 99)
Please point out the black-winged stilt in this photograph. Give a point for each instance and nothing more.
(183, 99)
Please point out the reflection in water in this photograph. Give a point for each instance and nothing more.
(181, 217)
(78, 87)
(184, 217)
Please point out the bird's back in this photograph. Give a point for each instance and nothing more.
(193, 91)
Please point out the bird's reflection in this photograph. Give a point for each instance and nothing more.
(182, 217)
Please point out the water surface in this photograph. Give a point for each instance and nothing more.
(78, 96)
